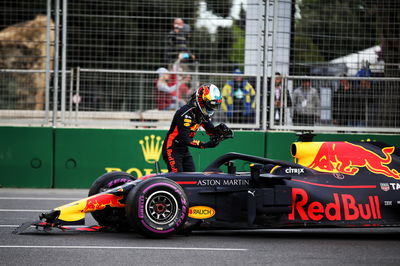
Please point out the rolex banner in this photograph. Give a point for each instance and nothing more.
(81, 155)
(73, 158)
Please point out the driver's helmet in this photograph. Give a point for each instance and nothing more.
(208, 99)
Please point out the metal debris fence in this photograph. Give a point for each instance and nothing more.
(98, 64)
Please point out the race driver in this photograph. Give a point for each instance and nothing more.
(187, 120)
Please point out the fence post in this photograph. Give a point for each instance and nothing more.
(258, 77)
(273, 68)
(47, 92)
(141, 94)
(71, 93)
(64, 60)
(78, 76)
(265, 72)
(56, 46)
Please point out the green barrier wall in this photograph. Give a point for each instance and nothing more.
(74, 158)
(26, 157)
(81, 155)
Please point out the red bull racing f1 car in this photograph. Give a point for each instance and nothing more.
(334, 184)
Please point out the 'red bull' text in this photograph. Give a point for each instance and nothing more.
(343, 207)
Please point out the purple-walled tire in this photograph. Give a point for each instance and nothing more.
(157, 207)
(111, 217)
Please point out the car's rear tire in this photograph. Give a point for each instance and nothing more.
(111, 217)
(157, 207)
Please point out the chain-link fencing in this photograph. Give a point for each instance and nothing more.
(131, 64)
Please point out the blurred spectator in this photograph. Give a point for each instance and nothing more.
(182, 80)
(342, 103)
(306, 103)
(177, 42)
(281, 94)
(362, 99)
(165, 87)
(166, 93)
(365, 71)
(362, 102)
(239, 99)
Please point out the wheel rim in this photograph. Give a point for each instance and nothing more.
(161, 207)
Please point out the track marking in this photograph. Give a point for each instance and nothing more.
(17, 225)
(204, 231)
(31, 198)
(9, 225)
(19, 210)
(137, 248)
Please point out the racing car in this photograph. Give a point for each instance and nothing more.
(330, 184)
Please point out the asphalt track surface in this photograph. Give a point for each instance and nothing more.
(364, 246)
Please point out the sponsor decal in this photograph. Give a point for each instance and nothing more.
(201, 212)
(388, 203)
(390, 186)
(101, 201)
(195, 142)
(195, 127)
(395, 186)
(252, 192)
(348, 158)
(223, 182)
(291, 170)
(135, 171)
(385, 186)
(151, 147)
(118, 181)
(141, 207)
(338, 176)
(343, 207)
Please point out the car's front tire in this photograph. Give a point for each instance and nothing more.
(111, 217)
(157, 207)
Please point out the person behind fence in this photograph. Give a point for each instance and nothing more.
(185, 123)
(342, 103)
(365, 70)
(282, 100)
(348, 104)
(183, 80)
(166, 89)
(165, 86)
(366, 104)
(239, 99)
(177, 42)
(306, 104)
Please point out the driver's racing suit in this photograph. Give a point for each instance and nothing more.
(180, 136)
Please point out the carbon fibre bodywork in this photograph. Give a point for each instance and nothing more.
(333, 184)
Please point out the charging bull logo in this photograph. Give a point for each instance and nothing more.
(347, 158)
(100, 202)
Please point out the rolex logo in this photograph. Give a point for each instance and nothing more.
(151, 147)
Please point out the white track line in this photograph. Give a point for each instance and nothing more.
(9, 225)
(19, 210)
(16, 225)
(137, 248)
(31, 198)
(216, 231)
